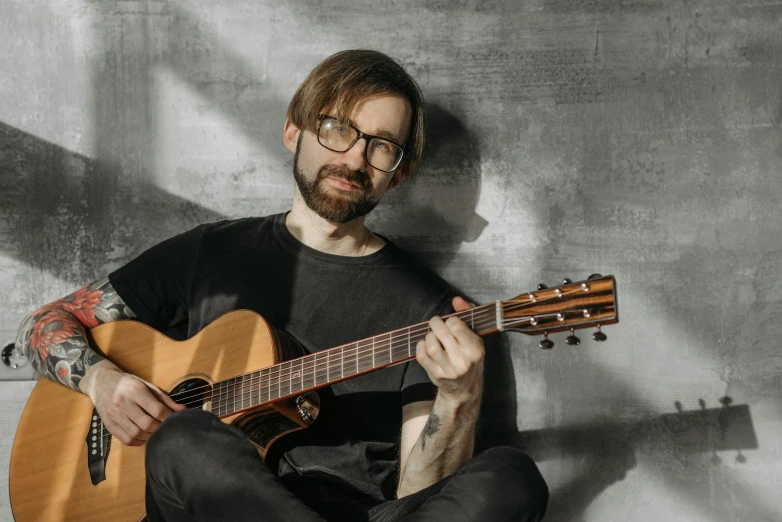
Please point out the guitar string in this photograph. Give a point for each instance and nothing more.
(488, 313)
(486, 317)
(257, 380)
(326, 354)
(255, 385)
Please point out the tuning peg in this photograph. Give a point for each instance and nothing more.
(546, 343)
(595, 276)
(572, 340)
(541, 286)
(567, 281)
(599, 336)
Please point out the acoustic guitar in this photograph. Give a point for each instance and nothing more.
(66, 466)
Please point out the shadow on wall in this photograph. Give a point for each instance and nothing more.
(46, 195)
(606, 449)
(433, 214)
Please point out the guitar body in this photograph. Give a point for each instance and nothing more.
(50, 476)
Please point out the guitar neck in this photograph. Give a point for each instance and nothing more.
(320, 369)
(547, 310)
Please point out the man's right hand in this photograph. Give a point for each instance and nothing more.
(131, 408)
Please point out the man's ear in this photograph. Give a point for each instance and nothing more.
(290, 135)
(398, 176)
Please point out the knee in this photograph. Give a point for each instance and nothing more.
(180, 436)
(513, 470)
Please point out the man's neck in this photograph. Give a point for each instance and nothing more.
(343, 239)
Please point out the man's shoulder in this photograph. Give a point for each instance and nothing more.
(236, 230)
(239, 224)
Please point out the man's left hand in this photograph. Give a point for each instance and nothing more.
(452, 355)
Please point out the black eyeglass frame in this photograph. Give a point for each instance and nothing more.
(360, 134)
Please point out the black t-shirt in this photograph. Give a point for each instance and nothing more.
(182, 284)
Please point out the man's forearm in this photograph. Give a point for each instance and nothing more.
(55, 343)
(446, 443)
(54, 338)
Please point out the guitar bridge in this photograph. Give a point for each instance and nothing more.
(98, 445)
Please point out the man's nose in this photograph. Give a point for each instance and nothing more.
(355, 157)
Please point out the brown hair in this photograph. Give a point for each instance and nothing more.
(344, 79)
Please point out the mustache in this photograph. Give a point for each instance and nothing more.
(357, 177)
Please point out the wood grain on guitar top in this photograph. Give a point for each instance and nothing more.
(49, 477)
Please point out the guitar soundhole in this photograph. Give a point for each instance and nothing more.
(193, 393)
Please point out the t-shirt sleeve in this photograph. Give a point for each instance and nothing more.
(416, 385)
(155, 284)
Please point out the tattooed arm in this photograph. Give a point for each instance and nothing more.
(438, 437)
(54, 339)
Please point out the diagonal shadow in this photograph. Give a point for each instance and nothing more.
(49, 190)
(606, 450)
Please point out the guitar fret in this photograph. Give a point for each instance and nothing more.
(263, 389)
(329, 368)
(388, 342)
(247, 388)
(229, 394)
(239, 392)
(282, 375)
(362, 357)
(318, 369)
(222, 402)
(350, 366)
(287, 377)
(216, 399)
(258, 387)
(242, 388)
(274, 383)
(308, 373)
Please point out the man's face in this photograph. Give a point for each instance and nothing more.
(342, 186)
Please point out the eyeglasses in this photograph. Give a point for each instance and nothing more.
(381, 153)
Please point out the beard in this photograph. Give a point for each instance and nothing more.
(334, 204)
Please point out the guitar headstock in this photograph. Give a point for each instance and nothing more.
(569, 307)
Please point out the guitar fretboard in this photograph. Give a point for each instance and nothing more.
(326, 367)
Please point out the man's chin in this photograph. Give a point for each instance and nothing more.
(339, 211)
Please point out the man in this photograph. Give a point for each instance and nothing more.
(392, 444)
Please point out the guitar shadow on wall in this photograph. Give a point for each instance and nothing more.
(605, 450)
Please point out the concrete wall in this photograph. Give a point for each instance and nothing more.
(639, 138)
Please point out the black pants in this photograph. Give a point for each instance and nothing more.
(200, 469)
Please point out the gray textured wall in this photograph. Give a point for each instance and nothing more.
(638, 138)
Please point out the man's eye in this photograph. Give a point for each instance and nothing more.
(381, 145)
